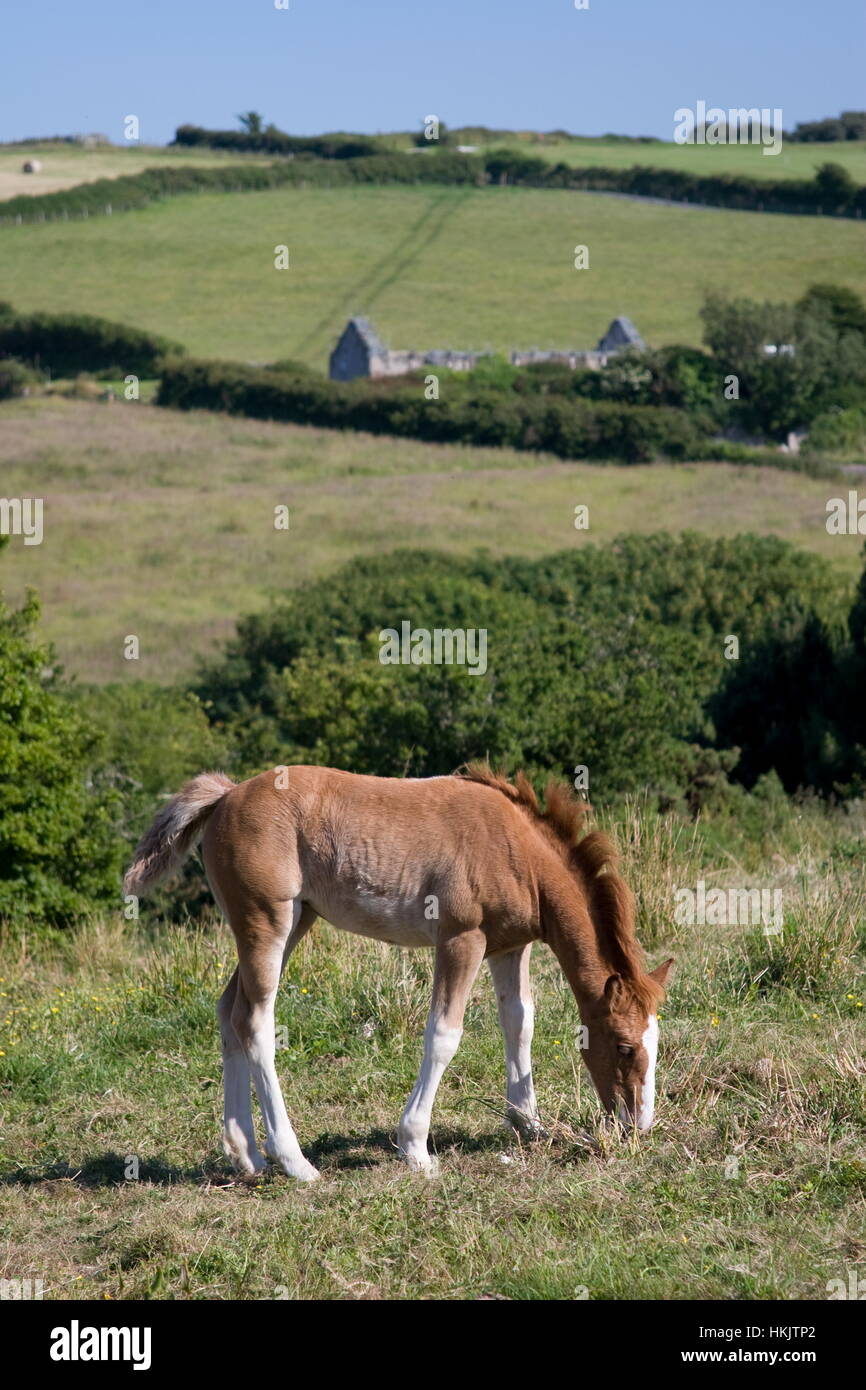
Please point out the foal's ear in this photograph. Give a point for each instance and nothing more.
(614, 992)
(661, 973)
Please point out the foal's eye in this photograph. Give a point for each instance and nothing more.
(624, 1050)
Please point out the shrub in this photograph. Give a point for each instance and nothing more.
(15, 378)
(607, 656)
(839, 431)
(70, 343)
(474, 415)
(59, 852)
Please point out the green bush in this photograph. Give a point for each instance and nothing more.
(839, 432)
(15, 377)
(69, 343)
(608, 656)
(153, 739)
(60, 854)
(469, 414)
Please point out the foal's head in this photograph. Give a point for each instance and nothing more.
(621, 1043)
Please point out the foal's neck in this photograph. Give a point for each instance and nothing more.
(568, 929)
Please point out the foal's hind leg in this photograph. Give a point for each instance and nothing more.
(457, 961)
(517, 1016)
(239, 1135)
(265, 941)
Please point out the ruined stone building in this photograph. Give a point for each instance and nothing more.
(361, 352)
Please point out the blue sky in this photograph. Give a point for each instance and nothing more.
(367, 65)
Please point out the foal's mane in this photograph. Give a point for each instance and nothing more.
(594, 859)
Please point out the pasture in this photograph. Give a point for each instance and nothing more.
(161, 523)
(751, 1185)
(794, 160)
(489, 268)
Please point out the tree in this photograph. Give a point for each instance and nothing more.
(835, 184)
(842, 306)
(821, 366)
(251, 122)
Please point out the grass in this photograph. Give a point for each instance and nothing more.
(751, 1186)
(794, 161)
(433, 267)
(161, 523)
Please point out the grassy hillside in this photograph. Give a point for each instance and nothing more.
(750, 1185)
(161, 524)
(471, 268)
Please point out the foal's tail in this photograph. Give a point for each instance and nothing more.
(177, 827)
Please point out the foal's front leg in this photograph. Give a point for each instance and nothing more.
(517, 1017)
(457, 961)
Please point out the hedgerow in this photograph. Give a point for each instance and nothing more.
(567, 428)
(832, 192)
(66, 344)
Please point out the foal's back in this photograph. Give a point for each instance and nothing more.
(400, 860)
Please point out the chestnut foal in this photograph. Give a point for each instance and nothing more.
(467, 864)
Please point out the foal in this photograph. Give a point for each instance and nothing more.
(467, 864)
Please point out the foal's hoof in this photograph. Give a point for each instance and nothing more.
(247, 1164)
(425, 1164)
(528, 1127)
(306, 1174)
(296, 1168)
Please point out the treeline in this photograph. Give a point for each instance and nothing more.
(270, 140)
(851, 125)
(832, 192)
(613, 657)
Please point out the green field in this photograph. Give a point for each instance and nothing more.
(750, 1186)
(161, 523)
(468, 268)
(794, 161)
